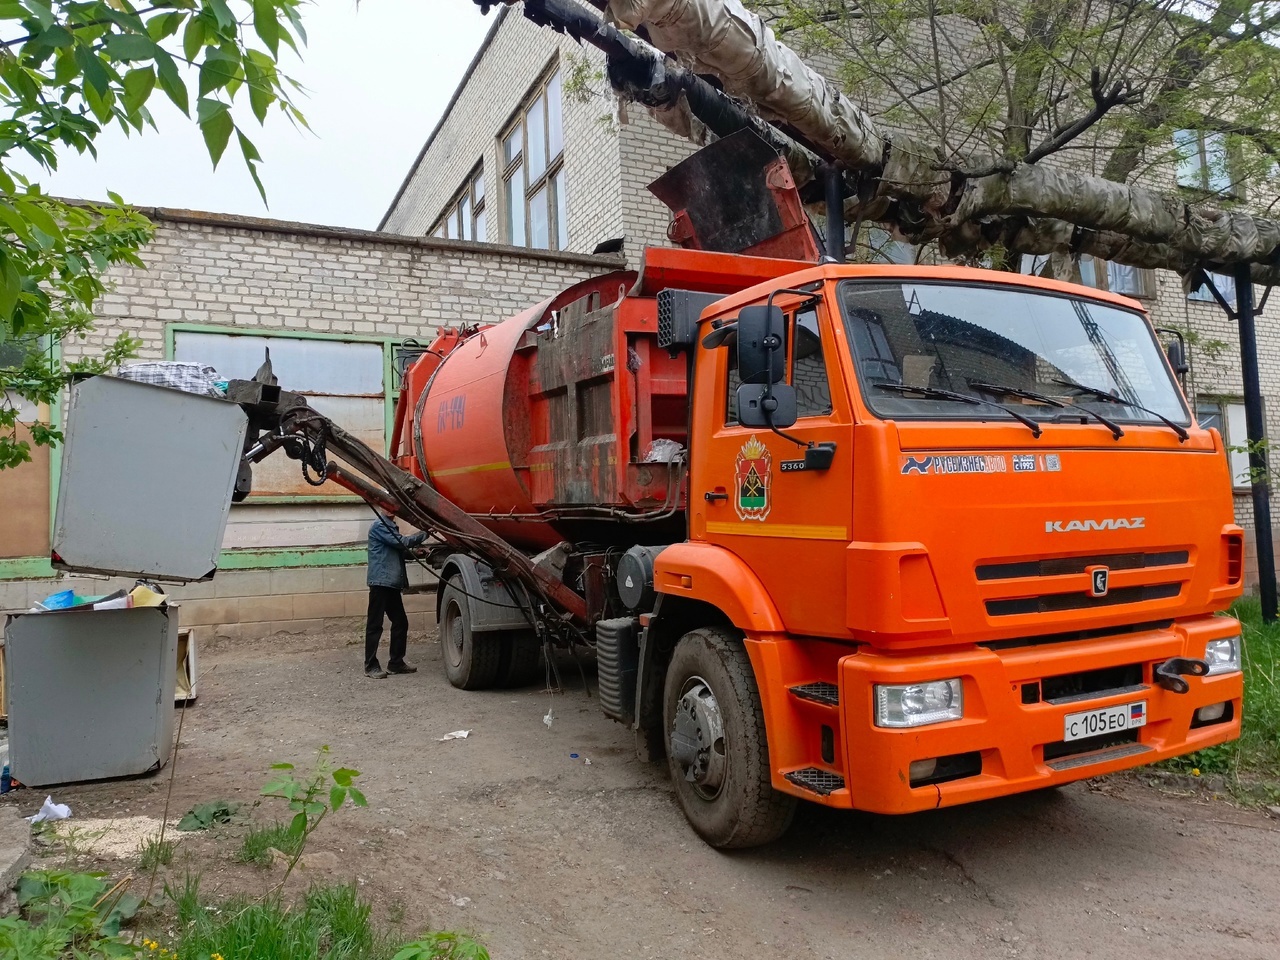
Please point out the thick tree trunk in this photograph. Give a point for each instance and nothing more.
(1133, 225)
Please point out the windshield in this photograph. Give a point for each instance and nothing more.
(991, 343)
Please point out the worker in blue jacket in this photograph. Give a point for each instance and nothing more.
(387, 578)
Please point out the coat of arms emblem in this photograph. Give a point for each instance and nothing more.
(754, 480)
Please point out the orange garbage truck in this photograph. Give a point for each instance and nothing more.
(878, 537)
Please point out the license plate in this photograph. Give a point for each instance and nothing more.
(1104, 720)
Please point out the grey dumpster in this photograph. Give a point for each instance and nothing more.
(90, 693)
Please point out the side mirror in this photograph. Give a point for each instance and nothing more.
(762, 347)
(762, 406)
(1177, 358)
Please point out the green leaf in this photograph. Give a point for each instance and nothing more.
(217, 71)
(298, 825)
(138, 85)
(336, 796)
(267, 24)
(226, 19)
(344, 775)
(130, 46)
(216, 125)
(171, 82)
(282, 766)
(314, 808)
(38, 217)
(165, 25)
(251, 158)
(95, 74)
(357, 797)
(193, 38)
(56, 36)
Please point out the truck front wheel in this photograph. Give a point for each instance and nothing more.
(471, 659)
(716, 746)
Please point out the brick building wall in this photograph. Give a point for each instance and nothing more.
(215, 274)
(514, 56)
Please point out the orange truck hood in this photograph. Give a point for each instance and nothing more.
(952, 543)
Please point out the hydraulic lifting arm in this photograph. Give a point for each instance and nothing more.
(278, 418)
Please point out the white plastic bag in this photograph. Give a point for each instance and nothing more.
(50, 811)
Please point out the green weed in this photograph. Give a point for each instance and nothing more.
(260, 841)
(156, 853)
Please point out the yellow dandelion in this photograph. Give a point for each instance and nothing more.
(1195, 771)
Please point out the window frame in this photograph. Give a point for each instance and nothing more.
(470, 195)
(1204, 173)
(1222, 409)
(551, 178)
(1100, 271)
(792, 316)
(390, 394)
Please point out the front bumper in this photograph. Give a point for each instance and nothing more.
(1011, 736)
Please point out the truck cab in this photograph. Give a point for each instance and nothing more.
(967, 534)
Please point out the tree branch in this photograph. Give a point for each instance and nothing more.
(1121, 94)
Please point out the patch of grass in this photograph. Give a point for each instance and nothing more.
(259, 842)
(1252, 763)
(156, 852)
(331, 923)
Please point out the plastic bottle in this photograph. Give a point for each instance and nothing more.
(6, 781)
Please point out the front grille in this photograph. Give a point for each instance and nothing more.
(1055, 602)
(827, 693)
(822, 782)
(1062, 566)
(1071, 748)
(1091, 684)
(1071, 636)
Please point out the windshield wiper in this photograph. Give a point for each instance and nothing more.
(1109, 398)
(1007, 391)
(940, 394)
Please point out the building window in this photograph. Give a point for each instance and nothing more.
(1100, 274)
(1226, 286)
(532, 153)
(342, 379)
(464, 218)
(1204, 161)
(885, 249)
(1228, 418)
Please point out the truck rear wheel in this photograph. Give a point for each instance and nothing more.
(716, 746)
(471, 660)
(521, 662)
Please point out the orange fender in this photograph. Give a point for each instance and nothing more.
(711, 574)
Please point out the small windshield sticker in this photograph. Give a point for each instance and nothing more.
(753, 480)
(955, 463)
(1024, 463)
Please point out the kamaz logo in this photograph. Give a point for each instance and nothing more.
(1117, 523)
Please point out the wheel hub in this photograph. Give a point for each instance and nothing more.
(697, 738)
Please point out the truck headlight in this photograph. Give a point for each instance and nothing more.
(918, 704)
(1223, 656)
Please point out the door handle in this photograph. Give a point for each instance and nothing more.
(711, 496)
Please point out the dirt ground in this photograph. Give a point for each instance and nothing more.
(507, 835)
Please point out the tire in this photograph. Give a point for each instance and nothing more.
(731, 802)
(471, 660)
(521, 662)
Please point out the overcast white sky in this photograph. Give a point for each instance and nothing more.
(378, 79)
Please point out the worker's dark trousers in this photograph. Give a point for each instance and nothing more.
(385, 601)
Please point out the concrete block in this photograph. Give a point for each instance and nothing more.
(206, 590)
(15, 846)
(13, 595)
(420, 603)
(254, 609)
(209, 612)
(296, 580)
(342, 579)
(319, 605)
(243, 583)
(356, 604)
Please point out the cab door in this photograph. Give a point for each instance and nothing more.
(751, 491)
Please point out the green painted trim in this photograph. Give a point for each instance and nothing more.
(390, 394)
(293, 557)
(39, 568)
(26, 568)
